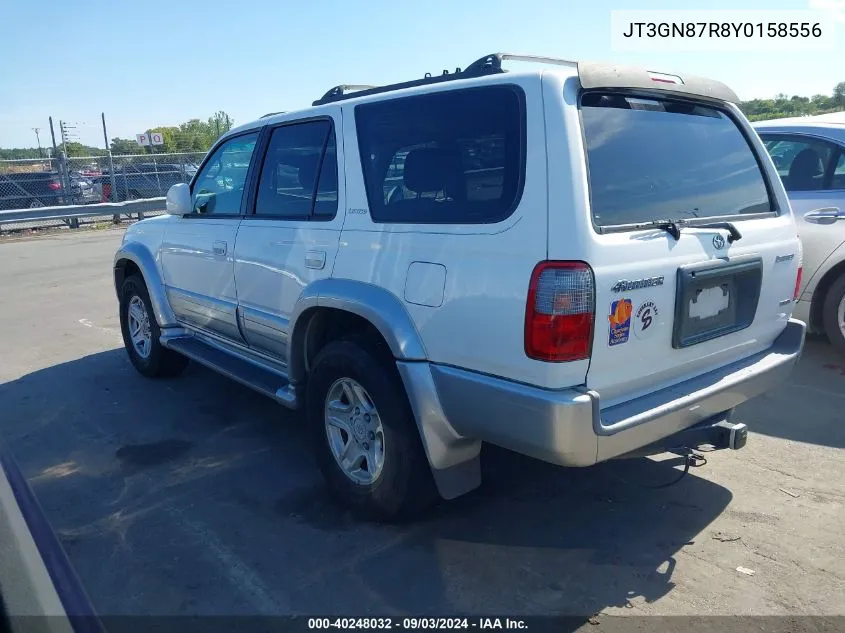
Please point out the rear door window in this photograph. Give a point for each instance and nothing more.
(453, 157)
(661, 159)
(299, 176)
(801, 162)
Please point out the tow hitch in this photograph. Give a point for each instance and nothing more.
(689, 444)
(709, 435)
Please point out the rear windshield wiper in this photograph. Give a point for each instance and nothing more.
(672, 227)
(728, 226)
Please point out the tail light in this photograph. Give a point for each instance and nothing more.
(798, 283)
(54, 186)
(560, 311)
(106, 193)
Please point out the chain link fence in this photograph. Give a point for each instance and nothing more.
(134, 176)
(34, 183)
(78, 172)
(27, 184)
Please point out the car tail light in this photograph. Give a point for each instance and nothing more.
(55, 186)
(106, 193)
(798, 283)
(560, 311)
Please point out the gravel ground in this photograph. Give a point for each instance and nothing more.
(197, 496)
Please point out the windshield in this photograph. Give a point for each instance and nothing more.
(654, 159)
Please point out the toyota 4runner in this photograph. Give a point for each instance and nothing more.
(577, 262)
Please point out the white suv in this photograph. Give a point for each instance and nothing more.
(578, 263)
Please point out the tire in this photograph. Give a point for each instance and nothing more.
(403, 486)
(158, 362)
(834, 302)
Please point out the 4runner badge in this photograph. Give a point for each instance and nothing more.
(623, 285)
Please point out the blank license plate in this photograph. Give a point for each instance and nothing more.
(710, 302)
(715, 299)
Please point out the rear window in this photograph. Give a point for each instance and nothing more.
(453, 157)
(661, 159)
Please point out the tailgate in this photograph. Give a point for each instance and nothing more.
(674, 300)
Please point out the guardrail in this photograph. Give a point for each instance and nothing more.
(71, 214)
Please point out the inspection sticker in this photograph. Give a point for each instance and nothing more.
(620, 322)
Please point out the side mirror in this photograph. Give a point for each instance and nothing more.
(179, 199)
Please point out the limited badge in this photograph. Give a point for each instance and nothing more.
(645, 320)
(620, 321)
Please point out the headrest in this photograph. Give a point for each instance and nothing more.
(806, 163)
(426, 170)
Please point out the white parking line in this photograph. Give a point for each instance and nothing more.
(88, 323)
(240, 575)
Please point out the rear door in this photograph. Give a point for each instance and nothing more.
(813, 172)
(669, 307)
(289, 235)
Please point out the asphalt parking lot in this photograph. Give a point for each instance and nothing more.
(197, 496)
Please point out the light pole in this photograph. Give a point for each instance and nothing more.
(38, 137)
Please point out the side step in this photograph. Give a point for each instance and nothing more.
(251, 374)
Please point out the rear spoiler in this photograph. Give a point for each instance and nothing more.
(596, 75)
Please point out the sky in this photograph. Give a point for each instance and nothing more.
(146, 63)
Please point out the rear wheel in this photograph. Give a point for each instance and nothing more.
(833, 314)
(364, 434)
(141, 333)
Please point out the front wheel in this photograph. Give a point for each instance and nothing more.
(141, 333)
(364, 433)
(833, 314)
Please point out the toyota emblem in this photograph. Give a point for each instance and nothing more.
(719, 241)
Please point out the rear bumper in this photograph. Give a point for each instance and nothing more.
(570, 428)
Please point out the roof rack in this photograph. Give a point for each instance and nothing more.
(264, 116)
(592, 75)
(343, 90)
(487, 65)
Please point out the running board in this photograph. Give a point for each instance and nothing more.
(248, 373)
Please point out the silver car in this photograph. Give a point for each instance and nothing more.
(809, 154)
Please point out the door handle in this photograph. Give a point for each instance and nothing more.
(828, 215)
(315, 259)
(219, 248)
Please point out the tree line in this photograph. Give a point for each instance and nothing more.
(195, 135)
(782, 106)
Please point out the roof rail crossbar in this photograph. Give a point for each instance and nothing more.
(487, 65)
(493, 63)
(343, 90)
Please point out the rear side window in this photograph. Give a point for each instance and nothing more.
(801, 162)
(660, 159)
(448, 158)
